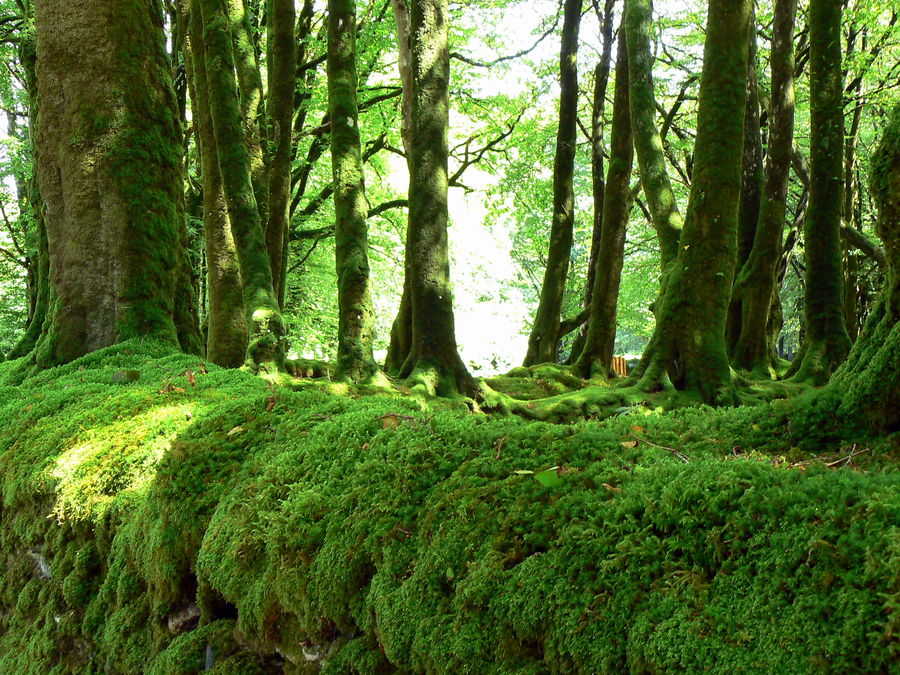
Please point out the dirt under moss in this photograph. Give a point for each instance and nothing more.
(160, 515)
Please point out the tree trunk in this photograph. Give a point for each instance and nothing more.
(598, 178)
(755, 287)
(542, 344)
(260, 302)
(108, 160)
(226, 335)
(401, 330)
(433, 361)
(826, 344)
(751, 186)
(648, 144)
(253, 115)
(356, 327)
(688, 345)
(281, 68)
(596, 356)
(869, 382)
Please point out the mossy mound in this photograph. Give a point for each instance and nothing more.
(195, 518)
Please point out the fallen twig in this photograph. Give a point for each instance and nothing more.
(680, 455)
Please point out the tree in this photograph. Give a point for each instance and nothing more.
(755, 284)
(108, 159)
(688, 346)
(356, 326)
(596, 356)
(433, 360)
(260, 302)
(226, 334)
(542, 344)
(827, 342)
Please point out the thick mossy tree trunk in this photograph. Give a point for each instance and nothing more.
(108, 160)
(281, 69)
(869, 382)
(751, 185)
(688, 346)
(433, 361)
(648, 144)
(401, 330)
(598, 173)
(226, 339)
(827, 343)
(356, 327)
(755, 287)
(596, 355)
(542, 344)
(260, 302)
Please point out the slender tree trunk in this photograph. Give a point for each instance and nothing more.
(688, 345)
(433, 361)
(226, 335)
(751, 186)
(401, 330)
(542, 344)
(851, 222)
(282, 67)
(596, 356)
(260, 302)
(755, 287)
(648, 143)
(356, 324)
(108, 159)
(598, 177)
(869, 382)
(826, 344)
(250, 84)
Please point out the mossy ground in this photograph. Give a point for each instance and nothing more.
(381, 534)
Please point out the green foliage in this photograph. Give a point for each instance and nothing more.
(395, 539)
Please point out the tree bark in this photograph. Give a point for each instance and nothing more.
(543, 342)
(281, 68)
(826, 344)
(868, 384)
(226, 335)
(260, 302)
(596, 356)
(433, 362)
(108, 159)
(688, 346)
(755, 286)
(356, 329)
(648, 143)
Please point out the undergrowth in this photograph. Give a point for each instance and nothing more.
(163, 516)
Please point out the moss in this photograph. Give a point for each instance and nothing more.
(391, 538)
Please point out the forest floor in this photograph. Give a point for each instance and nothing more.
(161, 515)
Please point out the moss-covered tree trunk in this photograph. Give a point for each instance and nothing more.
(755, 287)
(688, 345)
(827, 343)
(598, 173)
(250, 85)
(401, 330)
(648, 144)
(356, 327)
(260, 302)
(108, 159)
(281, 69)
(433, 361)
(226, 338)
(596, 355)
(544, 338)
(751, 185)
(869, 382)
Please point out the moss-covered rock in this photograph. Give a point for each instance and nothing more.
(368, 535)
